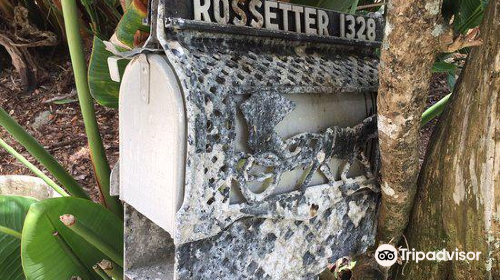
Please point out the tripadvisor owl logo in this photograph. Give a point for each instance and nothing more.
(386, 255)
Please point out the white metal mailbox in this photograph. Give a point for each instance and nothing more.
(152, 140)
(252, 147)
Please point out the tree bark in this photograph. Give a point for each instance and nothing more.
(457, 206)
(413, 38)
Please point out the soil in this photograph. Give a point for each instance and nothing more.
(59, 127)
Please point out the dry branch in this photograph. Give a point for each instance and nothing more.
(368, 6)
(18, 61)
(16, 43)
(450, 44)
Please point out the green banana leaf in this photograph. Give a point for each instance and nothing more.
(13, 210)
(50, 250)
(337, 5)
(313, 3)
(130, 23)
(466, 14)
(104, 90)
(127, 3)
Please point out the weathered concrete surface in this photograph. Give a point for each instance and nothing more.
(22, 185)
(268, 236)
(236, 91)
(149, 250)
(114, 182)
(222, 78)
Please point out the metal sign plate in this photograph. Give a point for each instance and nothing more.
(274, 19)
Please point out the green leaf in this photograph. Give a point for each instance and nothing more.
(443, 67)
(349, 266)
(337, 5)
(435, 110)
(313, 3)
(41, 154)
(49, 256)
(104, 90)
(451, 81)
(13, 210)
(466, 14)
(354, 6)
(127, 3)
(130, 23)
(65, 101)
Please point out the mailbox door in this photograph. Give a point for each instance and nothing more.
(152, 140)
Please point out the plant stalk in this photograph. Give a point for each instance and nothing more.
(112, 269)
(39, 152)
(91, 237)
(10, 232)
(33, 168)
(435, 110)
(101, 272)
(97, 151)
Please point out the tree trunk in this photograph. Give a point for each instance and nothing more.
(456, 205)
(413, 38)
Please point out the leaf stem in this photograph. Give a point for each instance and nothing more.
(91, 237)
(435, 110)
(97, 151)
(112, 269)
(101, 272)
(39, 152)
(33, 168)
(10, 232)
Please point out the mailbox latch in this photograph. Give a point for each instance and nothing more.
(144, 78)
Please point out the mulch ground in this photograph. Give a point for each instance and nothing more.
(59, 127)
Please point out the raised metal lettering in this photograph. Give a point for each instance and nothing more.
(285, 8)
(350, 24)
(371, 29)
(201, 11)
(224, 17)
(323, 22)
(361, 31)
(242, 20)
(298, 10)
(309, 21)
(270, 15)
(259, 22)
